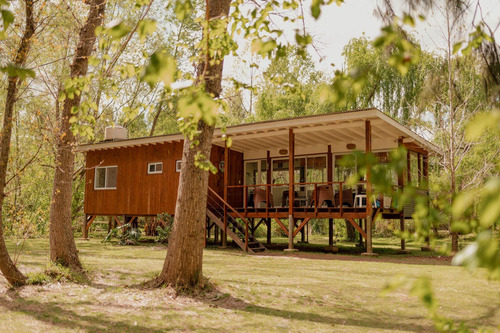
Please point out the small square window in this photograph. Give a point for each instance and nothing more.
(105, 178)
(156, 167)
(178, 165)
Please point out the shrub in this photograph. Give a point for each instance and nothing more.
(163, 232)
(130, 236)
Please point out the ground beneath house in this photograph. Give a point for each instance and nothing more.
(271, 292)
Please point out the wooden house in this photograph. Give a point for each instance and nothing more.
(274, 170)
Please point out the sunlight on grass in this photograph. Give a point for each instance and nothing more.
(254, 293)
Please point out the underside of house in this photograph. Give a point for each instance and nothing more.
(290, 169)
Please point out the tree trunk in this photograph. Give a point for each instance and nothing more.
(62, 243)
(183, 264)
(7, 266)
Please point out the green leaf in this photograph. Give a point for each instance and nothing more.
(423, 290)
(480, 124)
(316, 8)
(140, 3)
(182, 9)
(117, 30)
(303, 40)
(7, 18)
(409, 20)
(162, 67)
(145, 28)
(15, 71)
(263, 47)
(457, 47)
(463, 201)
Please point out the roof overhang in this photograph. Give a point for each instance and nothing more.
(334, 128)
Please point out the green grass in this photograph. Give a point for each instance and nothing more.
(253, 293)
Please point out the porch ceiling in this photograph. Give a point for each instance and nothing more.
(337, 129)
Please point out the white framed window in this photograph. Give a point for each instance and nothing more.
(105, 177)
(178, 165)
(155, 167)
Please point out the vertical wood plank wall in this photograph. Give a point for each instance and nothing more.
(140, 193)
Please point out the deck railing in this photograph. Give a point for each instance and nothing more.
(234, 193)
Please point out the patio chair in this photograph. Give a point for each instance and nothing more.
(259, 197)
(325, 195)
(347, 198)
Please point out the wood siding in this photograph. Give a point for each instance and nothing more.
(139, 193)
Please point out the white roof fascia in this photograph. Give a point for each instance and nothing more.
(130, 142)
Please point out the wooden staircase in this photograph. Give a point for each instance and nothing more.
(241, 236)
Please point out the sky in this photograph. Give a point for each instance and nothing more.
(355, 18)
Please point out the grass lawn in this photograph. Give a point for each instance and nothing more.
(272, 292)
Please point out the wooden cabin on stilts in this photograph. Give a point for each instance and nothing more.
(283, 172)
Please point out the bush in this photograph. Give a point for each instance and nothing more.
(163, 232)
(130, 236)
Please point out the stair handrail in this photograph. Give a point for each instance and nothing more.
(237, 214)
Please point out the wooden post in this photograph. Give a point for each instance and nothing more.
(226, 183)
(291, 171)
(329, 162)
(268, 180)
(425, 173)
(401, 184)
(360, 221)
(110, 223)
(85, 234)
(268, 223)
(408, 166)
(329, 173)
(369, 209)
(425, 176)
(216, 235)
(291, 189)
(419, 169)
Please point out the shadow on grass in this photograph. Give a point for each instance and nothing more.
(56, 315)
(362, 319)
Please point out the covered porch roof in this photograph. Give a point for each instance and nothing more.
(312, 134)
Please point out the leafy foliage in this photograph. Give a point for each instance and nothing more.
(165, 230)
(127, 236)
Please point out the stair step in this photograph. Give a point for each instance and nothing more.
(238, 235)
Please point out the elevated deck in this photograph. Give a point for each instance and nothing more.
(316, 212)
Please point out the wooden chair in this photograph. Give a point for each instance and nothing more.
(325, 194)
(259, 196)
(347, 198)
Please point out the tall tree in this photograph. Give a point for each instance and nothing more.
(290, 87)
(385, 87)
(62, 244)
(9, 270)
(183, 264)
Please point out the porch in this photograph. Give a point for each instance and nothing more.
(292, 170)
